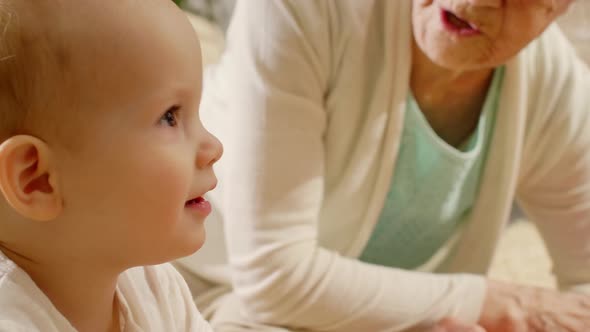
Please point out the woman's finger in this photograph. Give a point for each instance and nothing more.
(453, 325)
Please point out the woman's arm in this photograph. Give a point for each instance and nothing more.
(554, 190)
(275, 73)
(555, 185)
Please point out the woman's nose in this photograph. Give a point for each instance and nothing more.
(210, 151)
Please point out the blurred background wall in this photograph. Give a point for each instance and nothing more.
(576, 23)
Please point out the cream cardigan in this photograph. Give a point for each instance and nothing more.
(309, 100)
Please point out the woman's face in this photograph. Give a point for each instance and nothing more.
(477, 34)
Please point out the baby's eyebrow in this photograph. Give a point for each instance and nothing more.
(8, 20)
(8, 57)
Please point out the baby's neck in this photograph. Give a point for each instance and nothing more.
(84, 294)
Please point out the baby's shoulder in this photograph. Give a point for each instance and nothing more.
(15, 326)
(158, 296)
(17, 290)
(23, 306)
(151, 281)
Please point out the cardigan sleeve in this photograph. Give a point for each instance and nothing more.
(555, 184)
(271, 84)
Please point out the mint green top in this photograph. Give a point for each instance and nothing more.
(433, 189)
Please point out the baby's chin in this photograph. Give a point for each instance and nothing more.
(190, 245)
(169, 250)
(193, 245)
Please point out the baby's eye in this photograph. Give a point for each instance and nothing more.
(170, 117)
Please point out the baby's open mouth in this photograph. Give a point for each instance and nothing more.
(194, 201)
(456, 23)
(198, 205)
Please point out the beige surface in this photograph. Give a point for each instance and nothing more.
(522, 257)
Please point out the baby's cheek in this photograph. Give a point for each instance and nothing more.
(173, 186)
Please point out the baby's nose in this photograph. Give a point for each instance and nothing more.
(210, 151)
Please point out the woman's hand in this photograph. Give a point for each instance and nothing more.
(453, 325)
(512, 308)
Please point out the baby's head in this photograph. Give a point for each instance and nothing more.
(103, 158)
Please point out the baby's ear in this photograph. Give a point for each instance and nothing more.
(28, 178)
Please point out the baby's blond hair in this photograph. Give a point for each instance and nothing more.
(33, 62)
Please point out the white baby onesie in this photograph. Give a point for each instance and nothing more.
(152, 298)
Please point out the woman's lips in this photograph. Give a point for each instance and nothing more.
(457, 25)
(199, 205)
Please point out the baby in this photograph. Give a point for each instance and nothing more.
(103, 165)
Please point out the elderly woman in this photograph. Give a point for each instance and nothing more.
(374, 149)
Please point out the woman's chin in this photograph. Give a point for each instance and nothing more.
(449, 53)
(455, 59)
